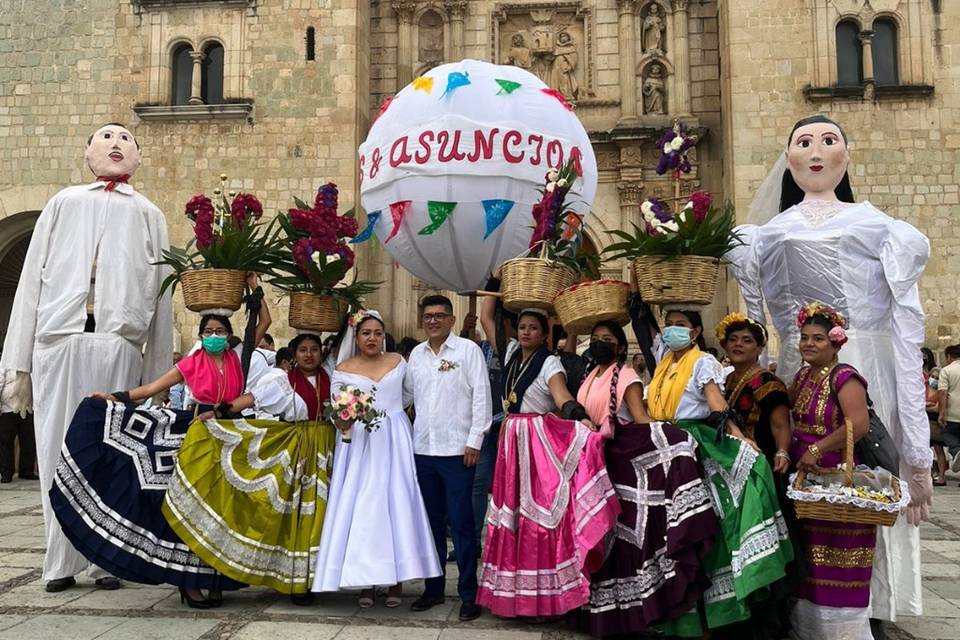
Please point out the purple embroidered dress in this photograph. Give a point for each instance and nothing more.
(838, 555)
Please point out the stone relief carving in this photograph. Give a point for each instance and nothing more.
(551, 41)
(654, 30)
(654, 91)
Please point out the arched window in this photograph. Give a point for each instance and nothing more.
(849, 54)
(211, 79)
(885, 51)
(311, 41)
(182, 68)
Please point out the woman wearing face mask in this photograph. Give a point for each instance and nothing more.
(249, 521)
(653, 571)
(214, 374)
(552, 501)
(753, 548)
(812, 241)
(376, 531)
(835, 592)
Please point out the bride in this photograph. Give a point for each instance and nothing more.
(376, 531)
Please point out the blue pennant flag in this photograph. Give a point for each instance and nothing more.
(496, 211)
(372, 219)
(456, 80)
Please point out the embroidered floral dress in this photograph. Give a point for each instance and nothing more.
(754, 547)
(838, 556)
(551, 506)
(653, 570)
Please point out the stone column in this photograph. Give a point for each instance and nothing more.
(404, 10)
(456, 9)
(681, 60)
(866, 40)
(195, 97)
(631, 196)
(627, 38)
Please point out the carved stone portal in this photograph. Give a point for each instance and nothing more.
(430, 39)
(551, 41)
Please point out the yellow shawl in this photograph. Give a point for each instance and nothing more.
(669, 382)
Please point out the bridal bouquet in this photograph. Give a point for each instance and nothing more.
(352, 404)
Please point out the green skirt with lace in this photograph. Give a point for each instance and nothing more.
(753, 548)
(248, 497)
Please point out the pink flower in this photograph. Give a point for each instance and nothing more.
(837, 336)
(701, 205)
(245, 205)
(345, 415)
(198, 206)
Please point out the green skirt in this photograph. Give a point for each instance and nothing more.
(248, 497)
(754, 548)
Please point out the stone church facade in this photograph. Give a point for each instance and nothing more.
(278, 94)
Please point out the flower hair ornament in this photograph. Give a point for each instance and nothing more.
(735, 318)
(357, 317)
(837, 334)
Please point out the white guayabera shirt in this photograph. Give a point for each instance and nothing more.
(451, 393)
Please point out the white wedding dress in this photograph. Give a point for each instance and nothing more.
(375, 532)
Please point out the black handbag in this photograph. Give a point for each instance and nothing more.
(876, 448)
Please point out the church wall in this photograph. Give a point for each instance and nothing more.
(904, 149)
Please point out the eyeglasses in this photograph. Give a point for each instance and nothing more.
(206, 333)
(435, 317)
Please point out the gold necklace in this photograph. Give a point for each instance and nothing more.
(511, 397)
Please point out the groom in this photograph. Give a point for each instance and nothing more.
(447, 376)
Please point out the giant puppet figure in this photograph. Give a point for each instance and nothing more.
(813, 242)
(86, 315)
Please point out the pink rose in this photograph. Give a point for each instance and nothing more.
(345, 415)
(837, 336)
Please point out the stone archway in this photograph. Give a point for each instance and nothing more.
(15, 233)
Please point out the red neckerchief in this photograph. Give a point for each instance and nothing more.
(113, 180)
(312, 396)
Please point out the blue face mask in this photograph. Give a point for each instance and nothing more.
(934, 383)
(676, 338)
(214, 344)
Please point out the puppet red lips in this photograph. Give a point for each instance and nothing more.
(116, 156)
(816, 167)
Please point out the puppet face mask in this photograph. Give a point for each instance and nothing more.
(818, 158)
(112, 152)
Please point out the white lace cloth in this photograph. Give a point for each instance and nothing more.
(875, 478)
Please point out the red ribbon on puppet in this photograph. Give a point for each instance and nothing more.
(112, 181)
(397, 211)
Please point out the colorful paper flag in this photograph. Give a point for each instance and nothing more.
(496, 212)
(423, 83)
(384, 107)
(438, 212)
(455, 80)
(397, 211)
(372, 219)
(507, 87)
(559, 96)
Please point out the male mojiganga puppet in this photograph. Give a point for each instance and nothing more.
(818, 244)
(86, 315)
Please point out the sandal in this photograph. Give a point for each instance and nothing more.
(366, 599)
(939, 483)
(394, 596)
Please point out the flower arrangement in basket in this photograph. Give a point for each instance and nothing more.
(552, 261)
(847, 494)
(229, 240)
(676, 250)
(351, 405)
(318, 257)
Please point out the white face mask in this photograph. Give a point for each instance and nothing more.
(112, 152)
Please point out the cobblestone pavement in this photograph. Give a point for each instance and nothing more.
(27, 612)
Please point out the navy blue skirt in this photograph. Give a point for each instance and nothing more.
(111, 479)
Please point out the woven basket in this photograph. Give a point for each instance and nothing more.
(585, 304)
(683, 279)
(205, 289)
(844, 512)
(312, 312)
(533, 282)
